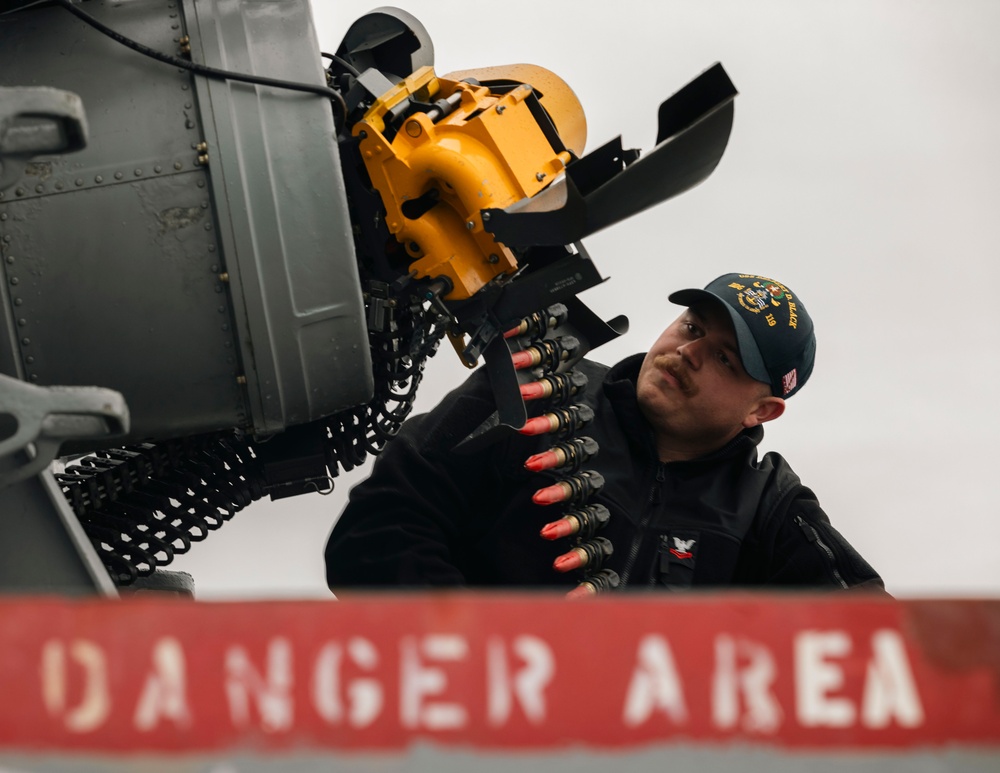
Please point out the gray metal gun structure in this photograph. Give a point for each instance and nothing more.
(227, 256)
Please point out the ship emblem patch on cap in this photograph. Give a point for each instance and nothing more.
(765, 295)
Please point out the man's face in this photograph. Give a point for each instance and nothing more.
(692, 387)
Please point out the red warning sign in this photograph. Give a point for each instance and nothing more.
(498, 672)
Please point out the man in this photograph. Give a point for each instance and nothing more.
(690, 504)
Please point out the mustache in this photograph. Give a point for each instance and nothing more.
(674, 365)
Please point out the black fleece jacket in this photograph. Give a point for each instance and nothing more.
(432, 515)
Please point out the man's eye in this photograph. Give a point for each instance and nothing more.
(724, 359)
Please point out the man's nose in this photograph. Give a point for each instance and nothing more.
(691, 352)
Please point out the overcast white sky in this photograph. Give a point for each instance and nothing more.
(863, 171)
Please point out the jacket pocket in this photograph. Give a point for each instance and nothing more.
(688, 557)
(676, 558)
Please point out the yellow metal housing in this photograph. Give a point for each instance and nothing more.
(440, 171)
(554, 94)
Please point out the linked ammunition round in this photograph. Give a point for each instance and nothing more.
(603, 581)
(540, 322)
(564, 421)
(554, 494)
(584, 522)
(568, 454)
(547, 353)
(587, 554)
(546, 460)
(572, 488)
(558, 387)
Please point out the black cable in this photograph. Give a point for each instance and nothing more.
(344, 64)
(201, 69)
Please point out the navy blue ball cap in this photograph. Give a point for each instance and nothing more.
(774, 331)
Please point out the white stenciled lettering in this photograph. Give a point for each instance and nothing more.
(527, 685)
(164, 695)
(655, 684)
(365, 696)
(272, 694)
(816, 677)
(890, 690)
(95, 702)
(419, 682)
(741, 686)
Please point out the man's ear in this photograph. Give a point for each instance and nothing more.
(767, 409)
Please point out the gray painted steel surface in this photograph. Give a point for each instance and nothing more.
(44, 548)
(135, 265)
(283, 212)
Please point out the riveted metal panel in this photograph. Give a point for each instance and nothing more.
(153, 323)
(197, 254)
(110, 254)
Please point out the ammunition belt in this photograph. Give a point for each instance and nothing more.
(143, 504)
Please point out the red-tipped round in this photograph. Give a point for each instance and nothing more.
(539, 425)
(523, 360)
(546, 460)
(582, 591)
(515, 331)
(569, 561)
(535, 390)
(557, 529)
(551, 495)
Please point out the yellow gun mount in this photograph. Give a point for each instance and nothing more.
(470, 192)
(471, 148)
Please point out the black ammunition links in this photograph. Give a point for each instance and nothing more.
(597, 550)
(589, 520)
(563, 386)
(541, 322)
(550, 352)
(569, 420)
(602, 581)
(578, 451)
(547, 355)
(583, 484)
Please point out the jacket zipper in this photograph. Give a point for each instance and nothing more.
(633, 553)
(813, 536)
